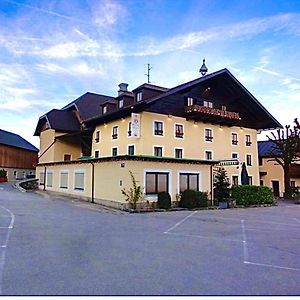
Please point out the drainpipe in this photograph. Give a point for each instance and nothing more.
(93, 182)
(45, 179)
(211, 185)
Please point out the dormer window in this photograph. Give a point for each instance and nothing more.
(190, 101)
(104, 111)
(208, 104)
(121, 103)
(223, 107)
(139, 96)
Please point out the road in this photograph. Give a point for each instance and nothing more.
(59, 246)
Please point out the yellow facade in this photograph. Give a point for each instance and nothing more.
(193, 142)
(272, 171)
(53, 149)
(112, 176)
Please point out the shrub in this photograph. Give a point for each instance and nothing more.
(221, 185)
(164, 200)
(3, 173)
(193, 199)
(250, 195)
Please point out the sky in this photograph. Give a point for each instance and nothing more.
(53, 51)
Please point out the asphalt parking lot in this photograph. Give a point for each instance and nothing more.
(58, 246)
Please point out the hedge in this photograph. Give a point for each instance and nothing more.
(164, 200)
(193, 199)
(250, 195)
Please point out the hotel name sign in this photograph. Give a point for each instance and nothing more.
(212, 111)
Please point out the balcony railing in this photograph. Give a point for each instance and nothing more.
(179, 134)
(248, 143)
(202, 112)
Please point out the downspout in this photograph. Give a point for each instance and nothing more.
(93, 182)
(44, 189)
(211, 185)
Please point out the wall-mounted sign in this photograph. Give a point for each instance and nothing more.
(135, 125)
(212, 111)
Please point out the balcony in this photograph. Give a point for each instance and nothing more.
(213, 115)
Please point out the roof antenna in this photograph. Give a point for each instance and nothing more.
(203, 70)
(148, 72)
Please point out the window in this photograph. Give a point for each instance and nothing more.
(188, 181)
(104, 109)
(293, 183)
(190, 101)
(67, 157)
(249, 160)
(248, 140)
(260, 161)
(208, 104)
(208, 135)
(42, 178)
(97, 137)
(179, 131)
(234, 138)
(49, 179)
(234, 155)
(208, 155)
(261, 182)
(129, 129)
(250, 180)
(97, 153)
(114, 151)
(131, 150)
(223, 107)
(157, 182)
(178, 153)
(139, 96)
(235, 180)
(158, 151)
(121, 103)
(64, 179)
(79, 180)
(158, 128)
(115, 130)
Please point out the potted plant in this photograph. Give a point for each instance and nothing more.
(221, 188)
(3, 175)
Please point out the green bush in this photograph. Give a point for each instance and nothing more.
(193, 199)
(164, 200)
(3, 173)
(251, 194)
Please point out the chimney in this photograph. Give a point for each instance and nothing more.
(123, 88)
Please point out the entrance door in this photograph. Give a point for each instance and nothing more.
(275, 187)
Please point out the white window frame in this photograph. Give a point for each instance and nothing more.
(128, 145)
(251, 160)
(79, 171)
(234, 153)
(163, 150)
(121, 101)
(179, 138)
(112, 132)
(157, 171)
(237, 175)
(104, 109)
(95, 153)
(112, 151)
(189, 172)
(250, 140)
(47, 173)
(179, 148)
(163, 128)
(231, 139)
(212, 135)
(99, 140)
(64, 172)
(139, 96)
(190, 101)
(212, 154)
(40, 183)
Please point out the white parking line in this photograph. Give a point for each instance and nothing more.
(245, 248)
(270, 266)
(4, 246)
(298, 221)
(177, 224)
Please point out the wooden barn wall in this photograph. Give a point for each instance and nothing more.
(12, 157)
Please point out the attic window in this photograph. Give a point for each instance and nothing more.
(190, 101)
(208, 104)
(139, 96)
(104, 109)
(121, 103)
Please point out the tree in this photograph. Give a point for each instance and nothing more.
(134, 194)
(221, 185)
(285, 151)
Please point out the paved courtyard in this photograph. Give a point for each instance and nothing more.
(59, 246)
